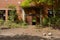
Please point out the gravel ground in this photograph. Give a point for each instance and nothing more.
(29, 33)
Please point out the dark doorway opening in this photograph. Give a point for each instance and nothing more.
(2, 14)
(33, 23)
(34, 20)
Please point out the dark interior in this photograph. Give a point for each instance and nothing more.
(33, 23)
(2, 14)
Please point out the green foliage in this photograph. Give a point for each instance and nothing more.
(1, 12)
(26, 3)
(58, 5)
(11, 6)
(41, 1)
(55, 22)
(50, 2)
(12, 15)
(10, 24)
(22, 23)
(45, 21)
(1, 22)
(34, 20)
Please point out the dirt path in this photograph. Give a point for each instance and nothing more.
(29, 31)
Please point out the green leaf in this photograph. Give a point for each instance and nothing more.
(26, 3)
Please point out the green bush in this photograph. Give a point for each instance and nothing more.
(26, 3)
(7, 24)
(1, 22)
(45, 21)
(55, 22)
(12, 15)
(14, 25)
(11, 24)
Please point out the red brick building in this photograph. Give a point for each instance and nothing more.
(28, 18)
(5, 3)
(30, 12)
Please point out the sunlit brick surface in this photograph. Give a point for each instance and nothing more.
(4, 3)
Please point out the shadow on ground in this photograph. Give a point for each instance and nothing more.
(23, 37)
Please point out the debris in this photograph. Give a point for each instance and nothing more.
(44, 34)
(50, 34)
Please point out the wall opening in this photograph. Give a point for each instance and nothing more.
(2, 14)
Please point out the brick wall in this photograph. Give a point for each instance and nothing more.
(4, 3)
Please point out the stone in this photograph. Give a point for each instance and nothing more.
(44, 34)
(50, 34)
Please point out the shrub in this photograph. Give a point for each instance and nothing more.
(45, 21)
(1, 22)
(11, 24)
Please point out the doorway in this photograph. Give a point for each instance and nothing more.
(33, 20)
(2, 14)
(32, 15)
